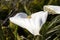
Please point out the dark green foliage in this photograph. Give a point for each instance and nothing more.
(1, 34)
(3, 14)
(49, 31)
(51, 28)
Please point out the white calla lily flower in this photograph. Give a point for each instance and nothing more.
(52, 9)
(33, 24)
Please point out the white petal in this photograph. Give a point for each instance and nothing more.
(21, 15)
(33, 24)
(38, 19)
(19, 19)
(22, 20)
(52, 9)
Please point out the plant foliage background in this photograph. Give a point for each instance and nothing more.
(10, 31)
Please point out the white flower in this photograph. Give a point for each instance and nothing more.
(33, 24)
(52, 9)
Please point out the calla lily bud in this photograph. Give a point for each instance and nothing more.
(52, 9)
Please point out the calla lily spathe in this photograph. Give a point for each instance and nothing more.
(33, 24)
(52, 9)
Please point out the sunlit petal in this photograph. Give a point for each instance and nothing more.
(52, 9)
(39, 18)
(33, 24)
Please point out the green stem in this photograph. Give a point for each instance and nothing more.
(27, 11)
